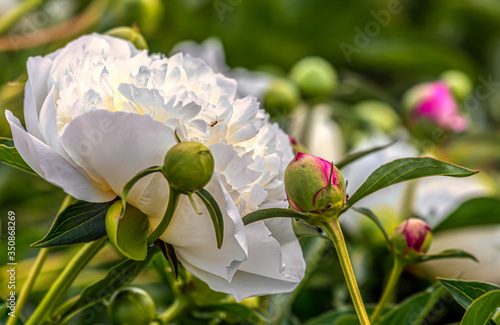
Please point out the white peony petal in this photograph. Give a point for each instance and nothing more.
(113, 147)
(35, 92)
(275, 264)
(193, 235)
(51, 166)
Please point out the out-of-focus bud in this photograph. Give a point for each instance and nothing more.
(434, 103)
(188, 166)
(281, 97)
(313, 184)
(378, 114)
(296, 146)
(315, 77)
(412, 238)
(131, 306)
(458, 82)
(131, 34)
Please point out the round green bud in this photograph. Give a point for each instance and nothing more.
(378, 114)
(281, 97)
(314, 185)
(131, 34)
(131, 306)
(315, 77)
(458, 82)
(412, 238)
(188, 166)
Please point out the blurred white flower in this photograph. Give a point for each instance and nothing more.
(325, 138)
(98, 111)
(250, 83)
(435, 198)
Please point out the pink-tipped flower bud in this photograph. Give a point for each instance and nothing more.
(434, 102)
(412, 238)
(313, 184)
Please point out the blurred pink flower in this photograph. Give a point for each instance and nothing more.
(434, 101)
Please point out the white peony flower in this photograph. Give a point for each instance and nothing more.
(98, 111)
(250, 83)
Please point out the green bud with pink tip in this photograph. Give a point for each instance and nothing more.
(412, 238)
(314, 185)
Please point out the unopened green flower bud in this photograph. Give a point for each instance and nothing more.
(315, 77)
(378, 114)
(188, 166)
(281, 97)
(314, 185)
(131, 34)
(412, 238)
(131, 306)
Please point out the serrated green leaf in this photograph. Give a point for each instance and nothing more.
(449, 253)
(215, 214)
(128, 233)
(481, 211)
(414, 309)
(376, 220)
(358, 155)
(465, 292)
(170, 255)
(273, 213)
(80, 222)
(117, 277)
(406, 169)
(10, 156)
(482, 309)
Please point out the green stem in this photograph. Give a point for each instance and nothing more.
(173, 201)
(35, 270)
(177, 309)
(64, 281)
(19, 11)
(397, 269)
(335, 234)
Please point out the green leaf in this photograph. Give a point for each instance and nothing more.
(375, 219)
(215, 214)
(117, 277)
(169, 253)
(482, 309)
(10, 156)
(413, 310)
(405, 169)
(357, 155)
(128, 233)
(465, 292)
(481, 211)
(274, 213)
(135, 179)
(449, 253)
(79, 223)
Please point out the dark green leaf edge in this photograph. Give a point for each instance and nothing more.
(358, 155)
(274, 213)
(374, 218)
(15, 160)
(215, 214)
(90, 222)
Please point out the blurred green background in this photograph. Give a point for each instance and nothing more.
(416, 44)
